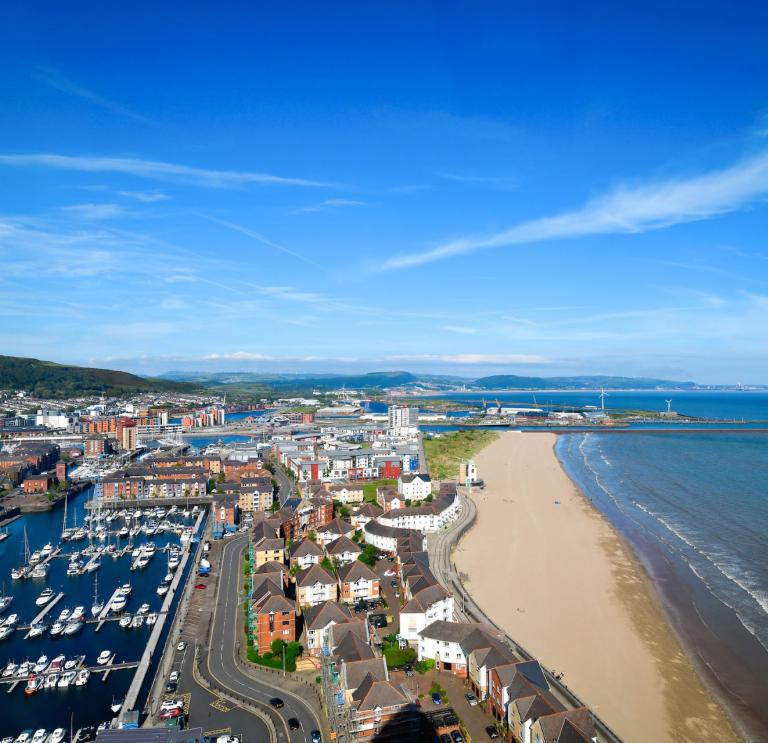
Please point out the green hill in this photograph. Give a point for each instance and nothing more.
(513, 382)
(47, 379)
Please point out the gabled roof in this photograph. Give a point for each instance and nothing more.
(263, 529)
(337, 526)
(268, 544)
(568, 725)
(530, 669)
(415, 476)
(275, 604)
(341, 545)
(372, 510)
(356, 671)
(314, 574)
(351, 646)
(305, 548)
(424, 599)
(355, 571)
(372, 694)
(321, 615)
(455, 631)
(271, 566)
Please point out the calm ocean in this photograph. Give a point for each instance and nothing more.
(695, 508)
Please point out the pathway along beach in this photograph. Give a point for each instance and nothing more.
(561, 581)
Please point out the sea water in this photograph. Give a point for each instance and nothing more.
(694, 506)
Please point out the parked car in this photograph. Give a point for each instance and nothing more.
(457, 737)
(492, 732)
(315, 736)
(200, 586)
(436, 698)
(171, 687)
(169, 704)
(471, 698)
(169, 714)
(445, 738)
(409, 670)
(293, 723)
(182, 646)
(276, 702)
(393, 583)
(174, 676)
(227, 739)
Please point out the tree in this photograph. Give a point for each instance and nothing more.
(369, 555)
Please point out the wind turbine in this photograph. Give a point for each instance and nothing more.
(669, 406)
(602, 399)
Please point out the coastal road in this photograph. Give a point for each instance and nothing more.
(222, 660)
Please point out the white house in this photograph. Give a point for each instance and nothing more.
(315, 585)
(414, 487)
(427, 606)
(343, 550)
(427, 518)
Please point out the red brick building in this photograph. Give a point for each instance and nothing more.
(38, 483)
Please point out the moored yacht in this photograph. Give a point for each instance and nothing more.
(57, 736)
(73, 626)
(41, 665)
(57, 628)
(46, 595)
(37, 630)
(104, 657)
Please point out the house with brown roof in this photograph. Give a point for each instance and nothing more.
(365, 513)
(346, 492)
(568, 726)
(306, 553)
(506, 680)
(449, 644)
(343, 550)
(315, 585)
(389, 498)
(357, 581)
(333, 530)
(318, 621)
(427, 605)
(268, 550)
(273, 616)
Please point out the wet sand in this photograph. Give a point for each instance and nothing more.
(573, 594)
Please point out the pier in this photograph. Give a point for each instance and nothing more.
(39, 618)
(146, 659)
(103, 614)
(104, 670)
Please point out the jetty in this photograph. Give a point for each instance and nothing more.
(146, 659)
(104, 670)
(39, 618)
(105, 610)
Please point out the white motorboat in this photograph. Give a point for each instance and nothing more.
(40, 735)
(11, 620)
(74, 568)
(19, 574)
(82, 677)
(137, 621)
(74, 663)
(92, 565)
(57, 628)
(144, 609)
(151, 619)
(73, 627)
(39, 571)
(118, 603)
(5, 602)
(141, 562)
(10, 669)
(78, 613)
(125, 621)
(37, 630)
(57, 736)
(168, 578)
(65, 614)
(67, 678)
(149, 548)
(162, 589)
(24, 669)
(35, 557)
(124, 532)
(46, 595)
(33, 684)
(41, 665)
(125, 589)
(51, 679)
(25, 737)
(104, 657)
(5, 632)
(46, 551)
(56, 663)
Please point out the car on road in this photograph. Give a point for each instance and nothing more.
(457, 737)
(293, 723)
(315, 736)
(393, 583)
(436, 697)
(471, 699)
(182, 646)
(171, 687)
(201, 586)
(174, 676)
(491, 732)
(276, 702)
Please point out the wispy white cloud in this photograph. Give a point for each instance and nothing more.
(146, 197)
(488, 180)
(626, 210)
(460, 329)
(91, 212)
(156, 169)
(63, 84)
(328, 204)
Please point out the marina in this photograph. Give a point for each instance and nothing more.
(77, 613)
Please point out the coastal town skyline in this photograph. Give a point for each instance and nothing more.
(515, 191)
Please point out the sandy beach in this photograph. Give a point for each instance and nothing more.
(572, 593)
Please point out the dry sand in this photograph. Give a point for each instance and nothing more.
(565, 585)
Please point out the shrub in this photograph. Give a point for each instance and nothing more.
(423, 666)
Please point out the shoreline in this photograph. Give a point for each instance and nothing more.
(601, 620)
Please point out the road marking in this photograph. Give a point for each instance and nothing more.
(220, 731)
(222, 705)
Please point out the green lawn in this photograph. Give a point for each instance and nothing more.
(444, 454)
(369, 488)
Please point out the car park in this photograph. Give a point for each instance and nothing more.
(436, 697)
(471, 699)
(276, 702)
(492, 732)
(293, 723)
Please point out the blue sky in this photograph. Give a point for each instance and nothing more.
(473, 188)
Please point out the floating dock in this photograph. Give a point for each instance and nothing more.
(105, 610)
(39, 618)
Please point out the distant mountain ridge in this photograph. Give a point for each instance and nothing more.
(513, 382)
(50, 380)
